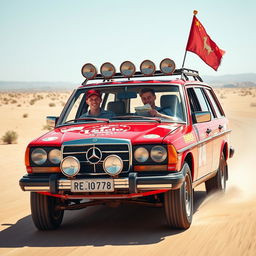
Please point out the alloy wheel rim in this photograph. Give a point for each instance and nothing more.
(187, 198)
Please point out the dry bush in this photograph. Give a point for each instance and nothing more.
(19, 105)
(25, 115)
(47, 127)
(10, 137)
(51, 104)
(222, 96)
(253, 104)
(32, 102)
(13, 101)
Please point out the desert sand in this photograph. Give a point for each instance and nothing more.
(222, 224)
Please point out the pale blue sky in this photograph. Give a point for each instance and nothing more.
(50, 40)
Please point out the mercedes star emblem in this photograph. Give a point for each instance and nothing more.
(93, 155)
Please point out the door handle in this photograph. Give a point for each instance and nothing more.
(220, 127)
(208, 130)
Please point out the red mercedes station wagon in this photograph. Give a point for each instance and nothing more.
(147, 137)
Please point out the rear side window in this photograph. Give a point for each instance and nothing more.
(214, 104)
(202, 100)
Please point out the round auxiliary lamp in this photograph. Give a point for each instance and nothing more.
(127, 69)
(107, 70)
(167, 66)
(147, 67)
(89, 71)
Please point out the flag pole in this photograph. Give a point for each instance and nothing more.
(185, 55)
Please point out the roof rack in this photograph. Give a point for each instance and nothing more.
(184, 72)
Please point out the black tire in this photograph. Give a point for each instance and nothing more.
(218, 182)
(44, 213)
(178, 203)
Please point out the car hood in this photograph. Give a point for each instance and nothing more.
(137, 133)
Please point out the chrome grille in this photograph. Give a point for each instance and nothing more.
(80, 152)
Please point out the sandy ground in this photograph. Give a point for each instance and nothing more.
(222, 224)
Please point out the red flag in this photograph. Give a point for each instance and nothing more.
(201, 44)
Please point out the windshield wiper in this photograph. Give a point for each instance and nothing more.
(136, 118)
(88, 119)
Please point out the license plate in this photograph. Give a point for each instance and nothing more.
(92, 185)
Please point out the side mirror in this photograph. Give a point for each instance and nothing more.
(202, 116)
(52, 121)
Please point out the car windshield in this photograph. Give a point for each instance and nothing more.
(136, 103)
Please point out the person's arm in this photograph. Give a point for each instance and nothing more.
(155, 113)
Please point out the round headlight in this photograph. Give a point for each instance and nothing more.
(167, 66)
(127, 69)
(89, 71)
(55, 156)
(141, 155)
(39, 156)
(158, 154)
(113, 165)
(107, 70)
(147, 67)
(70, 166)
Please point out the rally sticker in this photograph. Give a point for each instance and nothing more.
(107, 129)
(151, 136)
(189, 137)
(78, 128)
(50, 139)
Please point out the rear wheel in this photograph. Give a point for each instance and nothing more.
(44, 213)
(218, 182)
(178, 203)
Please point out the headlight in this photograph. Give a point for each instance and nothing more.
(141, 155)
(113, 165)
(70, 166)
(158, 154)
(39, 156)
(55, 156)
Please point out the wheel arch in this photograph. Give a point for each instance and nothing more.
(189, 159)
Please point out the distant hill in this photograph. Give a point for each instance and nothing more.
(36, 86)
(235, 80)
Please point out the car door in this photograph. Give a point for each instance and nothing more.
(203, 130)
(218, 126)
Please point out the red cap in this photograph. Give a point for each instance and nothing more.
(92, 92)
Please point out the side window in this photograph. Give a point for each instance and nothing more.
(193, 101)
(202, 100)
(214, 104)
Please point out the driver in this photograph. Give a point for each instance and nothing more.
(148, 96)
(93, 99)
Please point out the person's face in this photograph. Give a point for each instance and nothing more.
(148, 98)
(94, 102)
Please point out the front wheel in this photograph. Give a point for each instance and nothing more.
(44, 213)
(178, 203)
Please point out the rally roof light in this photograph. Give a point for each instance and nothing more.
(167, 66)
(89, 71)
(147, 67)
(107, 70)
(127, 69)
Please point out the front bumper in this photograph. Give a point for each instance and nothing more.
(56, 184)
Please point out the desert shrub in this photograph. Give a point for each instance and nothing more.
(32, 102)
(47, 127)
(25, 115)
(10, 137)
(19, 105)
(51, 104)
(253, 104)
(13, 101)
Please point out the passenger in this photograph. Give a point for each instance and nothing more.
(148, 96)
(93, 99)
